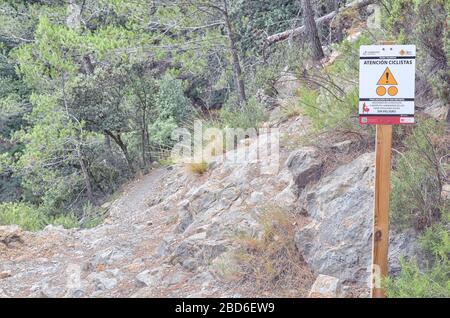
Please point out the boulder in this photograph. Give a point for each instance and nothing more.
(342, 147)
(305, 166)
(325, 287)
(10, 235)
(5, 274)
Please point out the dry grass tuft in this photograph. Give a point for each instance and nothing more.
(197, 168)
(291, 109)
(271, 263)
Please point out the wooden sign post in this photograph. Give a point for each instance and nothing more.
(386, 98)
(380, 237)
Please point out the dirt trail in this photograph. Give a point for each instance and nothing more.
(98, 262)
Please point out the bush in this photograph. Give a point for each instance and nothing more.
(246, 116)
(434, 281)
(172, 109)
(31, 218)
(92, 216)
(412, 283)
(424, 22)
(271, 262)
(416, 180)
(329, 96)
(26, 216)
(326, 111)
(291, 109)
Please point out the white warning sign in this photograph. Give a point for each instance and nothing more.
(387, 84)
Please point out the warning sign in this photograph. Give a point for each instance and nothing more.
(387, 84)
(387, 78)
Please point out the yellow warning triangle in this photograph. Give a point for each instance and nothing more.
(387, 78)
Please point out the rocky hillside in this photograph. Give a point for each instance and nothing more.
(175, 234)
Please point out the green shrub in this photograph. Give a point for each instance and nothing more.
(434, 281)
(32, 218)
(172, 108)
(326, 111)
(67, 221)
(247, 116)
(92, 216)
(425, 23)
(25, 215)
(329, 96)
(414, 283)
(416, 179)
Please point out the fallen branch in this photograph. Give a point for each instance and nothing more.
(358, 4)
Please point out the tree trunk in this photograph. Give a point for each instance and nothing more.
(300, 31)
(240, 87)
(86, 175)
(144, 137)
(110, 154)
(118, 140)
(311, 31)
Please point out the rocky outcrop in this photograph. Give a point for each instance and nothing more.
(337, 240)
(169, 231)
(305, 166)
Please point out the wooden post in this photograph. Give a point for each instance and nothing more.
(380, 232)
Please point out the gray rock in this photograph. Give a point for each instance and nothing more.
(305, 166)
(10, 235)
(437, 110)
(192, 253)
(102, 281)
(174, 279)
(325, 287)
(190, 264)
(287, 85)
(342, 147)
(185, 218)
(164, 247)
(256, 197)
(338, 239)
(147, 278)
